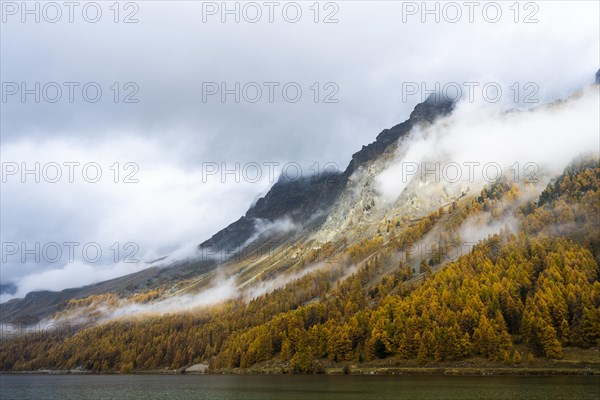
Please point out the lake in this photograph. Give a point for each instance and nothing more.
(300, 387)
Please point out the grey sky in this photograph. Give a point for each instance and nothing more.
(368, 55)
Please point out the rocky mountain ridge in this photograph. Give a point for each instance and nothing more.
(305, 201)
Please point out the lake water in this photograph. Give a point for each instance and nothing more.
(300, 387)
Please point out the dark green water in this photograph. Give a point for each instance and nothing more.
(286, 387)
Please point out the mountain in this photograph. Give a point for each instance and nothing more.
(301, 200)
(362, 267)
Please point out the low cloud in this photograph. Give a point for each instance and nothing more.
(479, 143)
(167, 213)
(170, 132)
(222, 290)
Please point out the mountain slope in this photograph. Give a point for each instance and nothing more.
(305, 201)
(328, 271)
(513, 297)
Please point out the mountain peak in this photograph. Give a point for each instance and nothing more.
(424, 113)
(433, 107)
(301, 199)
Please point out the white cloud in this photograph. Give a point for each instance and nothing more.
(479, 142)
(170, 132)
(168, 212)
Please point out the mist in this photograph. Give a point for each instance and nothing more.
(171, 132)
(480, 143)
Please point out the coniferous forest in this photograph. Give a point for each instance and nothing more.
(529, 292)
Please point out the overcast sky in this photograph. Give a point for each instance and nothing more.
(362, 71)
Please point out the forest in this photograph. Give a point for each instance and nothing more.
(535, 287)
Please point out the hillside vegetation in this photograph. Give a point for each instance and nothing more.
(522, 293)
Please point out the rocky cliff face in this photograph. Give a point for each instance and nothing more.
(424, 113)
(360, 209)
(307, 203)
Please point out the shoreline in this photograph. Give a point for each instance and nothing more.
(368, 371)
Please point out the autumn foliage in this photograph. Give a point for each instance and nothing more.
(538, 286)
